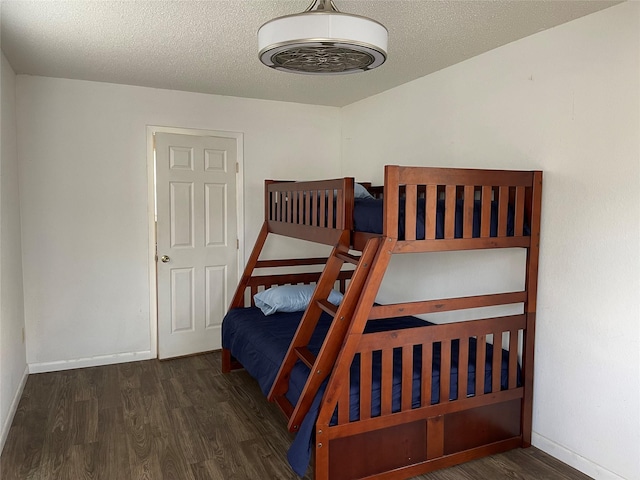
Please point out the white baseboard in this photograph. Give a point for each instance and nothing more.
(96, 361)
(576, 461)
(12, 409)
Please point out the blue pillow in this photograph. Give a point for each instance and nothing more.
(360, 192)
(289, 298)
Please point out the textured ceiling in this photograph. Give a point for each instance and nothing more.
(211, 46)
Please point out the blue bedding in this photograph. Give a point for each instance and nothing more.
(260, 343)
(368, 217)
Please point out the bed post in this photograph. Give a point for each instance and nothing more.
(530, 307)
(228, 363)
(391, 201)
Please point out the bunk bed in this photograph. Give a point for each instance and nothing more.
(371, 390)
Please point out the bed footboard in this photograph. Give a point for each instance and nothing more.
(424, 421)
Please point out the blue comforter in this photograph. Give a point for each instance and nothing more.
(260, 343)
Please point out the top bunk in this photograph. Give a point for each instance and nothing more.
(422, 208)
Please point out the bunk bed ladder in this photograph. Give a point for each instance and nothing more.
(321, 365)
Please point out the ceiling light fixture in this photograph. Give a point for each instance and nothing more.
(322, 40)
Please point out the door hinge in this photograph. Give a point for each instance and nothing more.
(237, 244)
(237, 167)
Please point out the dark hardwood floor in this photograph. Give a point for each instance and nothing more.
(180, 419)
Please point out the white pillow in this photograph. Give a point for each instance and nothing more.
(289, 298)
(360, 192)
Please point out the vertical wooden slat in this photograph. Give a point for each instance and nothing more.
(407, 376)
(426, 375)
(339, 210)
(330, 209)
(450, 211)
(431, 206)
(485, 217)
(467, 226)
(463, 368)
(410, 208)
(294, 207)
(301, 214)
(422, 195)
(343, 402)
(323, 208)
(503, 204)
(445, 370)
(254, 290)
(518, 221)
(365, 385)
(280, 206)
(387, 380)
(513, 358)
(496, 367)
(307, 208)
(314, 208)
(287, 205)
(481, 356)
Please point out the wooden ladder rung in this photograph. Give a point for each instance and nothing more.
(306, 356)
(328, 307)
(347, 257)
(285, 405)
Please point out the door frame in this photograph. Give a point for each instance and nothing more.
(151, 213)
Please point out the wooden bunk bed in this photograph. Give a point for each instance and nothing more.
(386, 402)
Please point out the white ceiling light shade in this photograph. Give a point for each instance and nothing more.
(322, 40)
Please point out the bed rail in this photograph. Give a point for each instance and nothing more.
(513, 194)
(494, 408)
(482, 332)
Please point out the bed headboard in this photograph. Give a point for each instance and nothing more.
(319, 211)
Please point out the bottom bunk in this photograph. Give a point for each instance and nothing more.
(408, 407)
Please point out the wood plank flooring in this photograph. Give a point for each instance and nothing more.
(180, 419)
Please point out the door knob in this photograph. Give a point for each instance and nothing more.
(165, 258)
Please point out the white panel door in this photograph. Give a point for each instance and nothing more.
(197, 253)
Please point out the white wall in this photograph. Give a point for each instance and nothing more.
(83, 167)
(13, 363)
(565, 101)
